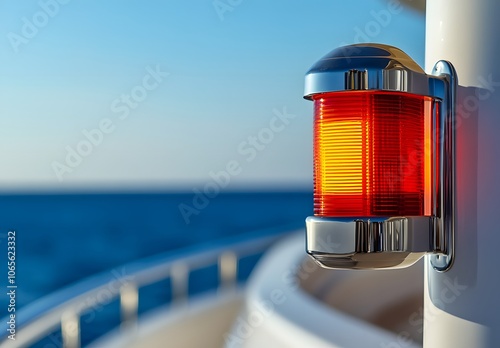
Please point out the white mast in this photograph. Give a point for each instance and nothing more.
(462, 306)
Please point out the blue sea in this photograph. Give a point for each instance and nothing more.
(63, 238)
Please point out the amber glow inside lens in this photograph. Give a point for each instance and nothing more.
(372, 154)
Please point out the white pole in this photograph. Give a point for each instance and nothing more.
(462, 306)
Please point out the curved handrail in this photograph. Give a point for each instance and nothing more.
(65, 307)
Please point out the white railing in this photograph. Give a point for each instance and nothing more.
(65, 308)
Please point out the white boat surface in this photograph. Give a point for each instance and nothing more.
(291, 302)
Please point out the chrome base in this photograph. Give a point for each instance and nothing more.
(392, 260)
(370, 243)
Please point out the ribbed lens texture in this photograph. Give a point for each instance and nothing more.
(372, 154)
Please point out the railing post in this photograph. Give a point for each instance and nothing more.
(228, 270)
(70, 330)
(129, 306)
(179, 274)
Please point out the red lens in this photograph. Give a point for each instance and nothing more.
(372, 154)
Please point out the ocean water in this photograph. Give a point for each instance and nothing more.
(63, 238)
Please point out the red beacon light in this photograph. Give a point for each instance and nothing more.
(372, 153)
(383, 159)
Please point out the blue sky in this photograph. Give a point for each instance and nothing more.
(202, 78)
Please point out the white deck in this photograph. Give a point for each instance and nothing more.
(349, 308)
(202, 323)
(291, 303)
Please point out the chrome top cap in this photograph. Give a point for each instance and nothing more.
(366, 67)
